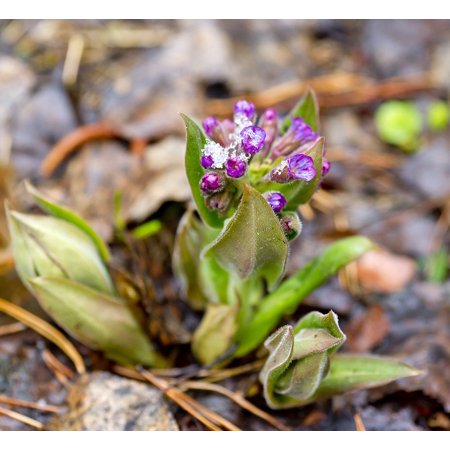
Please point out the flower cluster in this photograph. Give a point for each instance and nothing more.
(232, 146)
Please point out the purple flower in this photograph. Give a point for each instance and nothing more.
(276, 200)
(253, 139)
(235, 167)
(243, 107)
(300, 167)
(206, 161)
(302, 131)
(326, 165)
(270, 115)
(209, 125)
(212, 182)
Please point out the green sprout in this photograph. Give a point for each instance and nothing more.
(399, 123)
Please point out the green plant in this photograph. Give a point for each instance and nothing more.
(248, 178)
(63, 262)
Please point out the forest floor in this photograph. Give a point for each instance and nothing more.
(129, 80)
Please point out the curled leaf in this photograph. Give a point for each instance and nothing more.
(301, 367)
(299, 359)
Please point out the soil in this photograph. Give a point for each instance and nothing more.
(133, 79)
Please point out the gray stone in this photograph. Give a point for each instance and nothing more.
(101, 401)
(428, 170)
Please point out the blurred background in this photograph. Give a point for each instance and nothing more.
(89, 109)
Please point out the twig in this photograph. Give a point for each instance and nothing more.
(138, 146)
(359, 424)
(206, 416)
(73, 59)
(237, 398)
(21, 418)
(394, 88)
(46, 330)
(55, 363)
(32, 405)
(213, 375)
(69, 143)
(335, 90)
(12, 328)
(285, 92)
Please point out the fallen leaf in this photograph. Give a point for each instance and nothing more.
(383, 272)
(367, 330)
(165, 179)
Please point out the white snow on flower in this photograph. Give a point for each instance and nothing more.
(280, 168)
(217, 152)
(241, 121)
(234, 151)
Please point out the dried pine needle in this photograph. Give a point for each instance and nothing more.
(21, 418)
(359, 424)
(32, 405)
(12, 328)
(46, 330)
(238, 399)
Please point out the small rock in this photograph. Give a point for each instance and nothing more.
(16, 82)
(428, 171)
(104, 402)
(386, 419)
(42, 121)
(397, 47)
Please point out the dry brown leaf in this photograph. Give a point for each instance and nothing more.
(367, 330)
(383, 272)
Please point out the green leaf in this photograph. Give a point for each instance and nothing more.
(252, 241)
(99, 321)
(202, 280)
(195, 142)
(436, 266)
(300, 381)
(290, 293)
(351, 372)
(215, 334)
(307, 108)
(438, 115)
(214, 281)
(147, 229)
(399, 123)
(66, 214)
(317, 332)
(299, 360)
(49, 246)
(280, 346)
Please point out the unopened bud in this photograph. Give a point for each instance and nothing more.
(291, 225)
